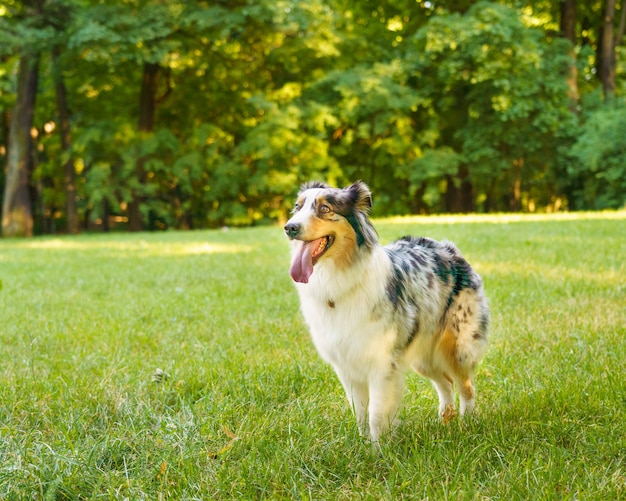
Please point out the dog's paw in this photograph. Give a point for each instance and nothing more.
(448, 414)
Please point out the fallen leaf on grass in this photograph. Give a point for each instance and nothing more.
(162, 470)
(228, 446)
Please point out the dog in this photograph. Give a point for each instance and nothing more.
(375, 312)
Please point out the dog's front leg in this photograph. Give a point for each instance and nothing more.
(357, 393)
(384, 404)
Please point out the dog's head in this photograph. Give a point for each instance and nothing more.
(329, 223)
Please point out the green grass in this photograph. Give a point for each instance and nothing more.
(247, 410)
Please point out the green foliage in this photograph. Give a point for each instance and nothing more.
(176, 365)
(425, 101)
(368, 125)
(599, 158)
(498, 90)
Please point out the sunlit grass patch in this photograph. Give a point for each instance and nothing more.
(505, 218)
(141, 246)
(245, 409)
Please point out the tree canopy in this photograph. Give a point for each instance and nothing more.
(153, 114)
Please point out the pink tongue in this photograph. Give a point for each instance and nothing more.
(302, 262)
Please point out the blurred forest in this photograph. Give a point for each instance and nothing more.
(154, 114)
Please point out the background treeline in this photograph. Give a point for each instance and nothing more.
(151, 114)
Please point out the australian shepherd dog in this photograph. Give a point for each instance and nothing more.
(374, 312)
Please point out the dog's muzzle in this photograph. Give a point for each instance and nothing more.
(292, 229)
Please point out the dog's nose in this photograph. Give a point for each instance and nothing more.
(292, 229)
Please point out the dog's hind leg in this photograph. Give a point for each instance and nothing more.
(460, 363)
(445, 389)
(467, 395)
(385, 398)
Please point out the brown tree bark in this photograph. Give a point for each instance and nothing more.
(607, 51)
(568, 31)
(147, 109)
(460, 199)
(417, 202)
(515, 200)
(621, 30)
(5, 120)
(568, 20)
(17, 215)
(69, 172)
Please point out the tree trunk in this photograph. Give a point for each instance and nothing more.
(568, 20)
(622, 25)
(460, 198)
(17, 216)
(69, 172)
(417, 202)
(621, 31)
(489, 202)
(147, 109)
(451, 196)
(148, 97)
(6, 120)
(607, 51)
(568, 31)
(515, 201)
(467, 190)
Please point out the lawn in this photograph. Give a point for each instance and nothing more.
(177, 366)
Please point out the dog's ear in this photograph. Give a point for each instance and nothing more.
(313, 184)
(360, 195)
(361, 198)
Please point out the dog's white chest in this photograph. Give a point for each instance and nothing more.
(348, 333)
(345, 314)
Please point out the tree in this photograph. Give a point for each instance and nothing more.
(60, 15)
(177, 113)
(497, 93)
(25, 38)
(607, 51)
(609, 39)
(69, 170)
(17, 217)
(32, 27)
(599, 159)
(568, 31)
(147, 108)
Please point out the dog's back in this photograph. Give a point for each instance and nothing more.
(433, 289)
(437, 290)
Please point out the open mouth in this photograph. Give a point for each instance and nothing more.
(323, 244)
(306, 255)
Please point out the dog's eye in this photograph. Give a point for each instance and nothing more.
(324, 209)
(296, 207)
